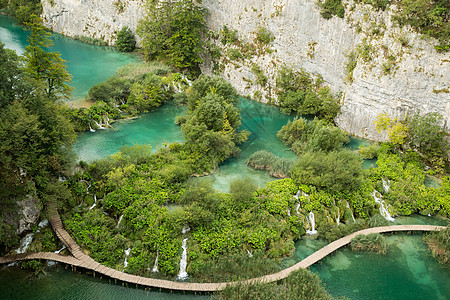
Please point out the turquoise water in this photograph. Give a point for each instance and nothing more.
(153, 128)
(88, 64)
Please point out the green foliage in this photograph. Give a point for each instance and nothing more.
(427, 17)
(276, 166)
(125, 40)
(373, 242)
(332, 232)
(261, 79)
(378, 4)
(298, 92)
(369, 152)
(378, 220)
(351, 65)
(229, 36)
(335, 171)
(211, 124)
(330, 8)
(174, 30)
(313, 136)
(264, 36)
(439, 244)
(301, 284)
(46, 67)
(22, 10)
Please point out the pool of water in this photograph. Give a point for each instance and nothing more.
(59, 283)
(88, 64)
(154, 128)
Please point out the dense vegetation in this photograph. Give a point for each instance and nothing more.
(299, 92)
(301, 284)
(36, 137)
(126, 41)
(373, 242)
(173, 30)
(22, 10)
(439, 243)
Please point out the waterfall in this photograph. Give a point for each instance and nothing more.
(125, 262)
(95, 203)
(182, 274)
(338, 217)
(289, 212)
(59, 251)
(297, 208)
(107, 120)
(42, 224)
(25, 243)
(297, 195)
(100, 126)
(383, 207)
(120, 220)
(90, 128)
(155, 266)
(385, 185)
(312, 224)
(249, 253)
(348, 206)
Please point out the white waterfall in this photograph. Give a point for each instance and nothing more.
(385, 185)
(25, 243)
(90, 128)
(289, 212)
(249, 253)
(155, 266)
(59, 251)
(42, 224)
(338, 217)
(100, 126)
(297, 195)
(383, 207)
(297, 208)
(348, 206)
(312, 224)
(95, 202)
(120, 220)
(182, 274)
(125, 262)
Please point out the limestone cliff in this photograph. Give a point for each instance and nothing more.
(397, 70)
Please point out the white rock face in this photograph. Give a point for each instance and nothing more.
(29, 213)
(304, 40)
(100, 19)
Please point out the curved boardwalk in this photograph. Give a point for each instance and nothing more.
(80, 259)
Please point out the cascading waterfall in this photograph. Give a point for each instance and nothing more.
(385, 185)
(182, 274)
(383, 207)
(297, 208)
(100, 126)
(120, 220)
(338, 217)
(249, 253)
(42, 224)
(155, 266)
(95, 203)
(353, 217)
(25, 243)
(59, 251)
(90, 128)
(289, 212)
(125, 262)
(297, 195)
(312, 224)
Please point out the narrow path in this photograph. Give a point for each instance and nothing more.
(81, 259)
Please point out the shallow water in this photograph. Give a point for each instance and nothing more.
(153, 128)
(88, 64)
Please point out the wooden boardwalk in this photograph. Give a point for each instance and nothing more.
(81, 259)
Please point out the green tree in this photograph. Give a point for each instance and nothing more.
(336, 171)
(47, 68)
(174, 29)
(125, 40)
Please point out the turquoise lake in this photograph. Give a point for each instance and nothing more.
(406, 272)
(88, 64)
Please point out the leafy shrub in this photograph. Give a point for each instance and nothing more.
(439, 244)
(369, 152)
(264, 36)
(125, 40)
(373, 242)
(276, 166)
(330, 8)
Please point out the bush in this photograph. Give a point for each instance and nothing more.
(439, 244)
(264, 36)
(331, 8)
(276, 166)
(373, 242)
(125, 40)
(370, 152)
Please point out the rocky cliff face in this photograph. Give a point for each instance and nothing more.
(396, 72)
(100, 19)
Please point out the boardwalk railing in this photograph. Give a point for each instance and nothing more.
(81, 259)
